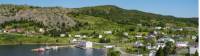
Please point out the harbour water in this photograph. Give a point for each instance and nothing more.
(25, 50)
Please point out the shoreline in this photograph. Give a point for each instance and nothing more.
(36, 44)
(64, 44)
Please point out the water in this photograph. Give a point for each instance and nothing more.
(25, 50)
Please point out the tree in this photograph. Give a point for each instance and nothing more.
(160, 52)
(112, 52)
(196, 53)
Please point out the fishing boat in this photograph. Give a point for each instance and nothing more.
(39, 49)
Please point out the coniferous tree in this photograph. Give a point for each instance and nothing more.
(196, 53)
(160, 52)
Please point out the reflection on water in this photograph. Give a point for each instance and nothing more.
(25, 50)
(88, 52)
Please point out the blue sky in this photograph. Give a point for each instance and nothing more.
(178, 8)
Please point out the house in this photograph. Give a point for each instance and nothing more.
(69, 35)
(160, 45)
(167, 39)
(193, 49)
(158, 28)
(19, 30)
(138, 44)
(84, 36)
(155, 32)
(194, 37)
(62, 35)
(100, 36)
(77, 36)
(181, 44)
(108, 32)
(178, 29)
(125, 33)
(74, 41)
(152, 53)
(138, 36)
(41, 30)
(5, 31)
(86, 44)
(150, 47)
(109, 46)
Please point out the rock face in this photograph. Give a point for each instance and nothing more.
(50, 17)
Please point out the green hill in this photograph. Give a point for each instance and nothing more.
(89, 20)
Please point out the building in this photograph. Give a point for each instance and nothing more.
(41, 30)
(164, 40)
(193, 49)
(86, 44)
(160, 45)
(108, 32)
(125, 33)
(181, 44)
(62, 35)
(194, 37)
(109, 46)
(152, 53)
(77, 36)
(100, 36)
(158, 28)
(84, 36)
(18, 30)
(138, 44)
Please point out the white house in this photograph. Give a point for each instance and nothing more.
(193, 49)
(194, 37)
(160, 45)
(86, 44)
(62, 35)
(69, 35)
(109, 46)
(181, 44)
(138, 44)
(158, 28)
(138, 36)
(84, 36)
(77, 36)
(125, 33)
(152, 53)
(179, 29)
(108, 32)
(41, 30)
(74, 40)
(100, 36)
(166, 40)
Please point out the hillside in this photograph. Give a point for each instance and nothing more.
(131, 17)
(49, 17)
(88, 20)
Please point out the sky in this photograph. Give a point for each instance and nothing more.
(178, 8)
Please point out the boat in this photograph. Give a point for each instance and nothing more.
(39, 49)
(54, 47)
(47, 47)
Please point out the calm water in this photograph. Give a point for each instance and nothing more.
(25, 50)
